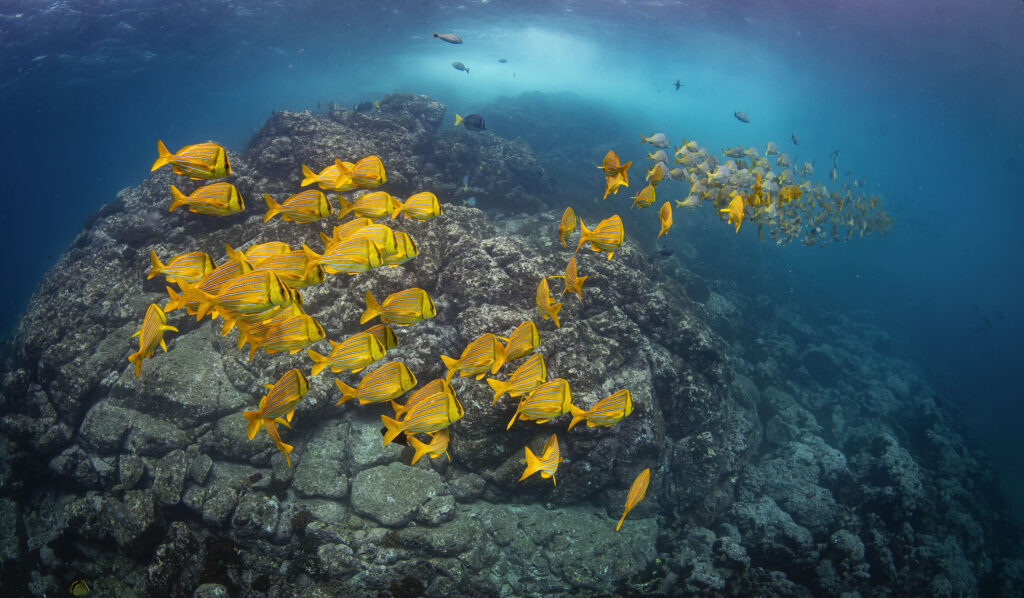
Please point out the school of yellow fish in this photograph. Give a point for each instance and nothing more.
(257, 292)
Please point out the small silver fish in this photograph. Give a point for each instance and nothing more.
(460, 67)
(741, 116)
(451, 38)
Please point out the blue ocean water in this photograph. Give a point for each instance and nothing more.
(922, 99)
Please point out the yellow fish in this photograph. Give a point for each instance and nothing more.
(606, 412)
(386, 383)
(523, 339)
(644, 198)
(342, 231)
(197, 162)
(326, 178)
(293, 270)
(368, 173)
(190, 267)
(438, 446)
(420, 206)
(382, 237)
(373, 205)
(637, 492)
(352, 354)
(305, 206)
(262, 251)
(656, 173)
(277, 407)
(292, 335)
(546, 306)
(567, 224)
(573, 282)
(150, 334)
(546, 464)
(254, 292)
(612, 168)
(735, 211)
(349, 255)
(547, 401)
(606, 236)
(528, 376)
(79, 588)
(257, 329)
(215, 199)
(384, 334)
(212, 283)
(665, 216)
(403, 308)
(484, 353)
(429, 409)
(344, 181)
(405, 250)
(612, 184)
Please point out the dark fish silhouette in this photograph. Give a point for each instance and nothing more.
(741, 116)
(796, 140)
(473, 122)
(503, 60)
(460, 67)
(678, 84)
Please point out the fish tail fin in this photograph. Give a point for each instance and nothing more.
(643, 138)
(178, 200)
(319, 362)
(372, 309)
(621, 519)
(578, 415)
(234, 254)
(500, 388)
(584, 235)
(396, 208)
(174, 301)
(420, 446)
(554, 314)
(513, 420)
(532, 464)
(272, 207)
(287, 450)
(458, 120)
(157, 267)
(344, 207)
(312, 259)
(308, 176)
(136, 359)
(347, 392)
(254, 425)
(163, 155)
(499, 359)
(450, 363)
(393, 429)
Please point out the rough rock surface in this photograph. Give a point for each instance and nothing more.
(786, 460)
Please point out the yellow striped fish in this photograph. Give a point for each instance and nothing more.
(368, 173)
(656, 173)
(546, 464)
(573, 282)
(547, 401)
(305, 206)
(342, 231)
(151, 335)
(482, 354)
(216, 199)
(257, 330)
(249, 293)
(644, 198)
(735, 211)
(386, 383)
(199, 161)
(292, 268)
(405, 250)
(382, 237)
(546, 306)
(438, 446)
(523, 339)
(212, 283)
(277, 407)
(352, 354)
(190, 267)
(78, 588)
(567, 224)
(435, 390)
(606, 236)
(350, 256)
(419, 206)
(403, 308)
(637, 492)
(527, 377)
(438, 410)
(326, 178)
(344, 181)
(665, 216)
(292, 335)
(373, 205)
(606, 412)
(384, 334)
(262, 251)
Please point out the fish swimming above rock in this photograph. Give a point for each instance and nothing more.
(368, 172)
(325, 179)
(546, 464)
(293, 269)
(151, 335)
(419, 206)
(277, 407)
(255, 292)
(428, 410)
(451, 38)
(473, 122)
(606, 412)
(352, 355)
(657, 172)
(656, 139)
(304, 206)
(374, 205)
(616, 174)
(531, 374)
(460, 67)
(573, 282)
(483, 354)
(566, 225)
(261, 251)
(79, 588)
(290, 335)
(521, 341)
(606, 236)
(350, 255)
(644, 198)
(190, 267)
(741, 116)
(546, 402)
(735, 211)
(637, 492)
(386, 383)
(546, 306)
(403, 308)
(665, 217)
(405, 250)
(198, 162)
(216, 199)
(384, 334)
(437, 446)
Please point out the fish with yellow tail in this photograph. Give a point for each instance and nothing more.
(691, 202)
(546, 402)
(257, 291)
(386, 383)
(665, 217)
(151, 335)
(606, 412)
(289, 335)
(216, 199)
(190, 267)
(79, 588)
(351, 256)
(384, 334)
(573, 281)
(483, 354)
(546, 464)
(343, 231)
(566, 225)
(261, 251)
(644, 198)
(656, 173)
(212, 283)
(429, 409)
(277, 407)
(546, 306)
(403, 308)
(325, 179)
(735, 211)
(252, 330)
(293, 270)
(344, 181)
(368, 173)
(637, 492)
(353, 354)
(419, 206)
(305, 206)
(437, 446)
(373, 205)
(606, 236)
(405, 250)
(616, 174)
(531, 374)
(198, 162)
(655, 139)
(521, 341)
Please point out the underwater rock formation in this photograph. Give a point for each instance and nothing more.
(785, 460)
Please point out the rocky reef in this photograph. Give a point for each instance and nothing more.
(789, 456)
